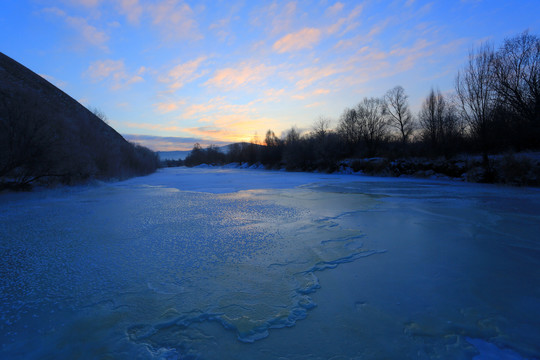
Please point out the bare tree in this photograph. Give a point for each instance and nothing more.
(321, 127)
(517, 70)
(438, 121)
(271, 139)
(292, 136)
(293, 153)
(476, 93)
(100, 114)
(397, 111)
(348, 127)
(372, 122)
(271, 155)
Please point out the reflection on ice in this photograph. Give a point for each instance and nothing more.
(185, 263)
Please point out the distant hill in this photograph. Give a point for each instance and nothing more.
(48, 137)
(173, 155)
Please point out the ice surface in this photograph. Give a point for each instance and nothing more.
(210, 262)
(488, 351)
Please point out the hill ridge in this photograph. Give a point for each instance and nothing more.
(47, 136)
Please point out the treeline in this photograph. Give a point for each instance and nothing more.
(47, 138)
(495, 108)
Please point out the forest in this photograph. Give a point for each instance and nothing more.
(493, 110)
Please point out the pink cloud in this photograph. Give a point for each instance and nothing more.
(232, 127)
(277, 18)
(347, 23)
(284, 19)
(166, 107)
(113, 70)
(244, 74)
(87, 3)
(196, 109)
(308, 76)
(303, 39)
(217, 105)
(90, 34)
(315, 104)
(132, 9)
(176, 19)
(335, 9)
(184, 73)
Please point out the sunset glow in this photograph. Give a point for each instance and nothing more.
(170, 73)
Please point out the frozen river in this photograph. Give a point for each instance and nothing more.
(249, 264)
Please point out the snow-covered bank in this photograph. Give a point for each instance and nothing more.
(521, 169)
(513, 169)
(184, 262)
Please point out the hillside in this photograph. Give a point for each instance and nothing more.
(48, 137)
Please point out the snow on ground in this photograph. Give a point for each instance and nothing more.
(224, 263)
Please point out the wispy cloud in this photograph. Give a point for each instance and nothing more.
(221, 28)
(204, 111)
(88, 33)
(168, 106)
(240, 76)
(273, 94)
(311, 75)
(86, 3)
(114, 71)
(184, 73)
(176, 20)
(131, 9)
(153, 127)
(315, 104)
(321, 92)
(284, 19)
(335, 9)
(232, 127)
(277, 18)
(347, 23)
(311, 94)
(364, 38)
(304, 39)
(198, 110)
(222, 119)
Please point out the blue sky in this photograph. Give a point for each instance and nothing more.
(173, 72)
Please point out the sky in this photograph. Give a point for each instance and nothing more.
(169, 73)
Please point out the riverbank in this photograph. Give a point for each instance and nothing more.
(522, 169)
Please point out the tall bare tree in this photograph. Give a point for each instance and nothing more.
(476, 93)
(372, 123)
(271, 139)
(100, 114)
(348, 127)
(438, 120)
(321, 127)
(398, 113)
(517, 71)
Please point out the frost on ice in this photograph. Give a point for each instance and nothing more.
(186, 262)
